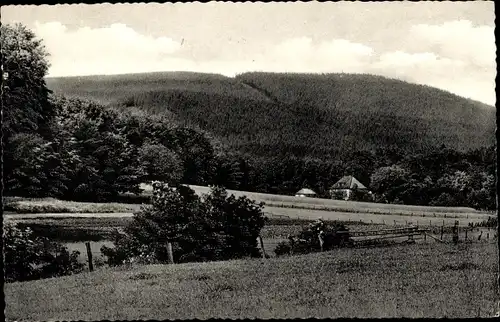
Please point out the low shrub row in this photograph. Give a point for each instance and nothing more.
(66, 234)
(315, 237)
(28, 257)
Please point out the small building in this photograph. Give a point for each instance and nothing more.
(305, 192)
(344, 188)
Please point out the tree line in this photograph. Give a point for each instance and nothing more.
(78, 149)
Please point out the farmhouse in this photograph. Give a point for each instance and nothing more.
(305, 192)
(344, 188)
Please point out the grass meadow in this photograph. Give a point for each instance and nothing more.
(429, 280)
(276, 206)
(52, 205)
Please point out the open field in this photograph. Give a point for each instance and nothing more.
(291, 213)
(276, 206)
(74, 231)
(52, 205)
(421, 280)
(282, 201)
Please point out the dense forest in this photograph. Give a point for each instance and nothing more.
(320, 116)
(96, 137)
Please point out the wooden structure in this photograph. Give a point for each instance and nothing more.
(363, 238)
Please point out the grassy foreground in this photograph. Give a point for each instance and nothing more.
(421, 280)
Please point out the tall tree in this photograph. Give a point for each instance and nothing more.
(26, 109)
(26, 104)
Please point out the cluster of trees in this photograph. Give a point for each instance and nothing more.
(79, 149)
(29, 257)
(442, 177)
(213, 227)
(320, 116)
(304, 128)
(95, 153)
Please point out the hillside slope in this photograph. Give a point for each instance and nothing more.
(299, 114)
(449, 281)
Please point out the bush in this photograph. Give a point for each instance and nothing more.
(27, 257)
(283, 248)
(491, 222)
(213, 227)
(362, 195)
(334, 235)
(63, 233)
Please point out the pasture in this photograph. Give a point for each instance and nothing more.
(429, 280)
(276, 206)
(283, 201)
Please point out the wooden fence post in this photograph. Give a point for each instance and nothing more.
(321, 241)
(170, 253)
(262, 246)
(442, 231)
(466, 233)
(425, 236)
(394, 222)
(89, 255)
(455, 232)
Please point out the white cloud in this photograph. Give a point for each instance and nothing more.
(111, 49)
(455, 56)
(302, 55)
(458, 40)
(458, 57)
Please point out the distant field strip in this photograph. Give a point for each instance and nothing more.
(51, 205)
(66, 215)
(346, 206)
(278, 212)
(388, 219)
(276, 206)
(341, 204)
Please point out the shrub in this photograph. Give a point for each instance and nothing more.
(27, 257)
(283, 248)
(213, 227)
(491, 222)
(62, 233)
(334, 235)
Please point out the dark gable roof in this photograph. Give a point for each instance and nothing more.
(348, 182)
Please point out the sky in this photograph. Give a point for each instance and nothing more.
(448, 45)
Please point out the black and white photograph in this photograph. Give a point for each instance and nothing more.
(232, 160)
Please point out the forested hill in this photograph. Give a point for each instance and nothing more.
(299, 114)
